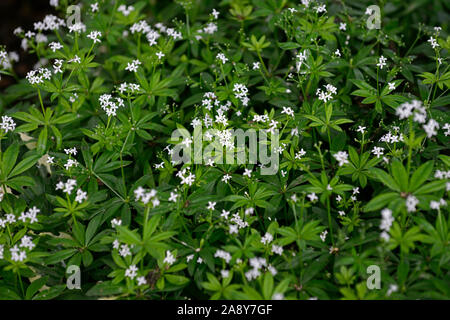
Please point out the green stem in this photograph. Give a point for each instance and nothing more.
(329, 220)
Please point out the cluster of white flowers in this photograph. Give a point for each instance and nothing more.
(222, 58)
(392, 138)
(288, 111)
(261, 118)
(170, 258)
(95, 35)
(7, 124)
(239, 223)
(381, 62)
(241, 93)
(10, 218)
(31, 214)
(50, 23)
(57, 65)
(436, 205)
(186, 176)
(268, 238)
(431, 128)
(327, 94)
(108, 105)
(442, 174)
(277, 249)
(378, 151)
(411, 203)
(257, 264)
(129, 87)
(300, 59)
(210, 28)
(66, 187)
(77, 27)
(299, 154)
(386, 222)
(131, 272)
(407, 109)
(116, 222)
(145, 196)
(6, 59)
(125, 10)
(223, 255)
(132, 67)
(433, 42)
(341, 157)
(38, 76)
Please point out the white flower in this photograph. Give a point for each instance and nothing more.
(381, 62)
(326, 95)
(256, 65)
(386, 219)
(94, 7)
(312, 197)
(391, 85)
(141, 281)
(343, 26)
(378, 151)
(55, 46)
(169, 259)
(81, 195)
(222, 58)
(226, 177)
(288, 111)
(433, 42)
(248, 172)
(431, 128)
(277, 249)
(321, 8)
(323, 235)
(131, 272)
(215, 13)
(341, 157)
(7, 124)
(211, 205)
(411, 203)
(361, 129)
(173, 197)
(233, 228)
(267, 238)
(95, 35)
(160, 55)
(392, 288)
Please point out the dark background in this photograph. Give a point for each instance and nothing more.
(20, 13)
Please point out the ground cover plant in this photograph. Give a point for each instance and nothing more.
(352, 98)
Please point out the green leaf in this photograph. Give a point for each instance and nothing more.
(176, 280)
(24, 165)
(9, 158)
(380, 201)
(421, 175)
(35, 286)
(400, 175)
(385, 178)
